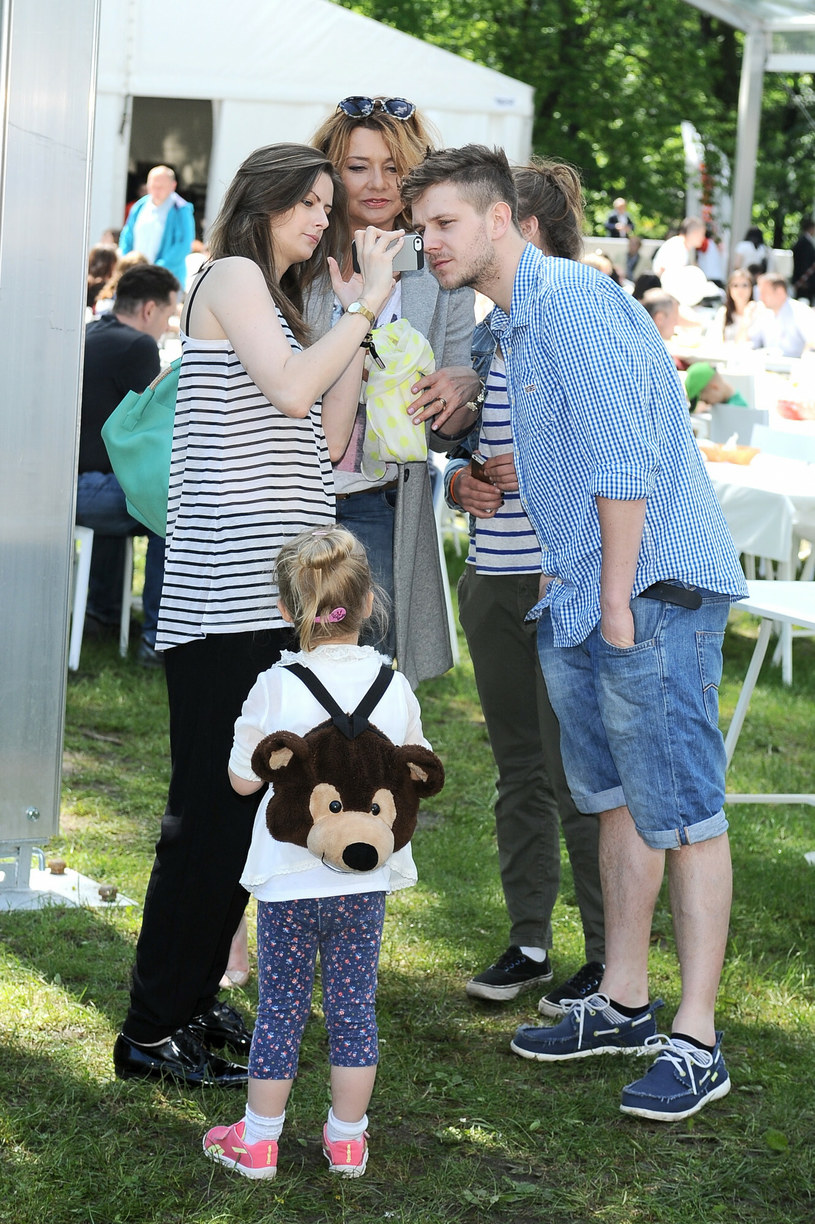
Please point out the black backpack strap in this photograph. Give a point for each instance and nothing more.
(353, 724)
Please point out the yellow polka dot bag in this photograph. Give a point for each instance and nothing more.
(399, 356)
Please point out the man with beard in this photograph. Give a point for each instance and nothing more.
(638, 574)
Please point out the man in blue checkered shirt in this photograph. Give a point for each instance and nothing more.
(639, 572)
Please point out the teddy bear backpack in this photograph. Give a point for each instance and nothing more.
(344, 790)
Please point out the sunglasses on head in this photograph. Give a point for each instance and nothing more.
(361, 108)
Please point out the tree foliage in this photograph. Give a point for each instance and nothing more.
(613, 80)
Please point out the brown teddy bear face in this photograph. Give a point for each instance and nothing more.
(354, 841)
(351, 803)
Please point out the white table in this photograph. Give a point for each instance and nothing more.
(769, 506)
(792, 603)
(766, 501)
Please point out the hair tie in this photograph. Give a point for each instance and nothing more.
(322, 531)
(338, 614)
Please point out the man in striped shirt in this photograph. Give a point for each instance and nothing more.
(638, 573)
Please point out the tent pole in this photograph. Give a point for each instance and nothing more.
(754, 57)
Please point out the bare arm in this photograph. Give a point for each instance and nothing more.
(234, 304)
(243, 786)
(621, 527)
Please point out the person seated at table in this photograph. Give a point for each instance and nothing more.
(101, 262)
(668, 314)
(121, 355)
(734, 319)
(663, 309)
(705, 385)
(783, 325)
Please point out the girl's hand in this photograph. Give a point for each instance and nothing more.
(374, 282)
(347, 291)
(375, 254)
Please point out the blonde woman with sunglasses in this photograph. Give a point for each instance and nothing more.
(373, 143)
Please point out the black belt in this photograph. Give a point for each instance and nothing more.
(668, 593)
(392, 484)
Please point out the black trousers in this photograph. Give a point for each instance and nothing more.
(194, 901)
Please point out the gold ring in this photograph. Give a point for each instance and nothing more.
(442, 400)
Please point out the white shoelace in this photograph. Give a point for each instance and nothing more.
(682, 1055)
(579, 1008)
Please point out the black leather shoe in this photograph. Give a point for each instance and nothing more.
(222, 1026)
(181, 1057)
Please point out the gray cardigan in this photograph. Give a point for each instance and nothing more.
(447, 320)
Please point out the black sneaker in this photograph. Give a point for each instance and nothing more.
(147, 656)
(579, 986)
(511, 973)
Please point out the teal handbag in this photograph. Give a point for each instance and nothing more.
(138, 436)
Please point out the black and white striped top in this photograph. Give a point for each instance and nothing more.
(244, 479)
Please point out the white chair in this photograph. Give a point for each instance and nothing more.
(83, 551)
(731, 420)
(784, 443)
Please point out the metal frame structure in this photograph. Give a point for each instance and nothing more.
(47, 77)
(779, 36)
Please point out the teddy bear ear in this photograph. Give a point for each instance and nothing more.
(424, 768)
(274, 753)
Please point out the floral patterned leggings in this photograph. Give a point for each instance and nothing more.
(347, 932)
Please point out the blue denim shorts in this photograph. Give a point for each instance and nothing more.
(639, 724)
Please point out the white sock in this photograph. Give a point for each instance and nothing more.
(535, 954)
(260, 1129)
(344, 1132)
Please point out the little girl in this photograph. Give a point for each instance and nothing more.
(326, 592)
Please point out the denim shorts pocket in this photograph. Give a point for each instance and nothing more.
(709, 653)
(649, 617)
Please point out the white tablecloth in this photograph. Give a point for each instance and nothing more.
(766, 503)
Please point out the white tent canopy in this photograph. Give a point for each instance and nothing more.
(273, 69)
(779, 36)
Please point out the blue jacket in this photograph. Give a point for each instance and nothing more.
(175, 241)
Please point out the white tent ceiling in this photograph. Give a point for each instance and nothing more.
(273, 70)
(779, 36)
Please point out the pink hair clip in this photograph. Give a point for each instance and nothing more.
(338, 614)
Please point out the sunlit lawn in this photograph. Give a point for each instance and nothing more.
(460, 1128)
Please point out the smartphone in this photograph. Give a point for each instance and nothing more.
(477, 462)
(409, 259)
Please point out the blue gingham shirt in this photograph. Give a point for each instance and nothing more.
(598, 411)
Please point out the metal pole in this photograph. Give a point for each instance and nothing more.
(753, 61)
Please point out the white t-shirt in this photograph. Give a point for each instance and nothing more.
(281, 871)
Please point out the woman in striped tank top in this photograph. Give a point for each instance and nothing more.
(259, 418)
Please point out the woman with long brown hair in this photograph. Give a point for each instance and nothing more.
(259, 416)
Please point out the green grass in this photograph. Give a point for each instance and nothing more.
(461, 1129)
